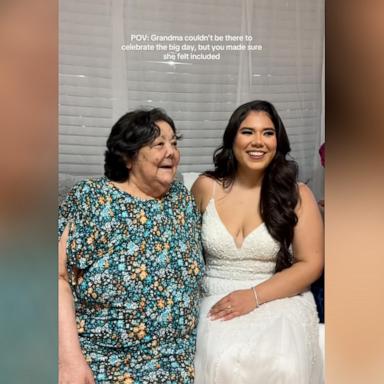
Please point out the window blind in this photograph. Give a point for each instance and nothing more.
(99, 82)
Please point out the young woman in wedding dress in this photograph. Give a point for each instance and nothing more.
(263, 242)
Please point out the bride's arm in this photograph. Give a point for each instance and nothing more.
(308, 251)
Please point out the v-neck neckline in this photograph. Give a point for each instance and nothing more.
(212, 201)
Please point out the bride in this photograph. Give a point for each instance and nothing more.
(263, 242)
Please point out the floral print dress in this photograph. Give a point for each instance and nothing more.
(135, 268)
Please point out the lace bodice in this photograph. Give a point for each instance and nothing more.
(257, 254)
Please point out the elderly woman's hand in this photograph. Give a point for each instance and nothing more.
(235, 304)
(75, 371)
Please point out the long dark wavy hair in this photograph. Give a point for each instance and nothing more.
(279, 192)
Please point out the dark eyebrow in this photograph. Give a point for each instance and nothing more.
(264, 129)
(163, 137)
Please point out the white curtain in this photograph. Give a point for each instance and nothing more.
(99, 81)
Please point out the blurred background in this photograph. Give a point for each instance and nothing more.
(28, 191)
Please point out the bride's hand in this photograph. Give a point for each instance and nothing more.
(237, 303)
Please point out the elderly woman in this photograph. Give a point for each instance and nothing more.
(130, 263)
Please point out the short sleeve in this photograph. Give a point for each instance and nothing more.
(192, 209)
(76, 213)
(194, 216)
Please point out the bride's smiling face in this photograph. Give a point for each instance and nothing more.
(255, 143)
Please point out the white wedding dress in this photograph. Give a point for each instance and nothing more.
(276, 343)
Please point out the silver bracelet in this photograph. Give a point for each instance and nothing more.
(256, 298)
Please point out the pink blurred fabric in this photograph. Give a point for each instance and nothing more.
(322, 154)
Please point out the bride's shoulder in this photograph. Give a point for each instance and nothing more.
(307, 200)
(304, 191)
(202, 191)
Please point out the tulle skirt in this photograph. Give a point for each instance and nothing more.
(277, 343)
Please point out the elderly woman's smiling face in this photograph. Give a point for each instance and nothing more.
(155, 164)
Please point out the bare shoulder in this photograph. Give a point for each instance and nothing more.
(307, 200)
(305, 192)
(202, 184)
(202, 191)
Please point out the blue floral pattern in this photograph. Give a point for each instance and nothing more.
(135, 268)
